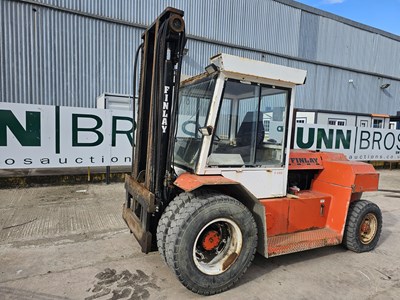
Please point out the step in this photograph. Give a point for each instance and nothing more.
(300, 241)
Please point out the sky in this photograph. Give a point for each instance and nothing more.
(382, 14)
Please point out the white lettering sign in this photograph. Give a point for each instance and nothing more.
(38, 136)
(357, 143)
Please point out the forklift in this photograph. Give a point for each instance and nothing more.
(213, 177)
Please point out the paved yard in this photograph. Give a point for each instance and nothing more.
(70, 242)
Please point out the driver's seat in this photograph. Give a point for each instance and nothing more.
(246, 130)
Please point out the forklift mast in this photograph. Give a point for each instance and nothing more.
(149, 186)
(162, 51)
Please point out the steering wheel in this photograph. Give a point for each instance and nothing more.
(193, 133)
(216, 138)
(190, 123)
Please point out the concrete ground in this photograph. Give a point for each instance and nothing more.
(69, 242)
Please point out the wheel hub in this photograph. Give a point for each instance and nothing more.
(211, 240)
(368, 228)
(217, 246)
(365, 228)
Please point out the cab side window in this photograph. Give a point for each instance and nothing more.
(250, 127)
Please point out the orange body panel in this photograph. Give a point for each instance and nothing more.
(366, 182)
(317, 217)
(357, 175)
(307, 211)
(312, 218)
(303, 240)
(304, 160)
(189, 182)
(332, 156)
(337, 213)
(277, 213)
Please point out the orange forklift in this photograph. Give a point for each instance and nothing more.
(213, 177)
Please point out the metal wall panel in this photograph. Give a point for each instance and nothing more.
(260, 24)
(347, 46)
(50, 56)
(308, 39)
(327, 88)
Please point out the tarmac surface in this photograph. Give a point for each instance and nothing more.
(70, 242)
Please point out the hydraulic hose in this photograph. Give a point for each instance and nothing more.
(134, 100)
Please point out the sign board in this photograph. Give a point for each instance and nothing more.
(38, 136)
(357, 143)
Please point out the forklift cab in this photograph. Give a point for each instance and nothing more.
(235, 121)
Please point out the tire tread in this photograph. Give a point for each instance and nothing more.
(184, 214)
(167, 217)
(357, 210)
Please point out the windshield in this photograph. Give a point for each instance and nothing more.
(194, 105)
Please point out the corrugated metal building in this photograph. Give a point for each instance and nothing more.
(68, 52)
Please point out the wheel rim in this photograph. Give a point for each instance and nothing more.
(217, 246)
(368, 228)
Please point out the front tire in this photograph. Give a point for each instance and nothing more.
(211, 243)
(363, 226)
(167, 217)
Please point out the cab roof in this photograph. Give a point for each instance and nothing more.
(258, 71)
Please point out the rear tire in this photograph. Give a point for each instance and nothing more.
(363, 226)
(211, 243)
